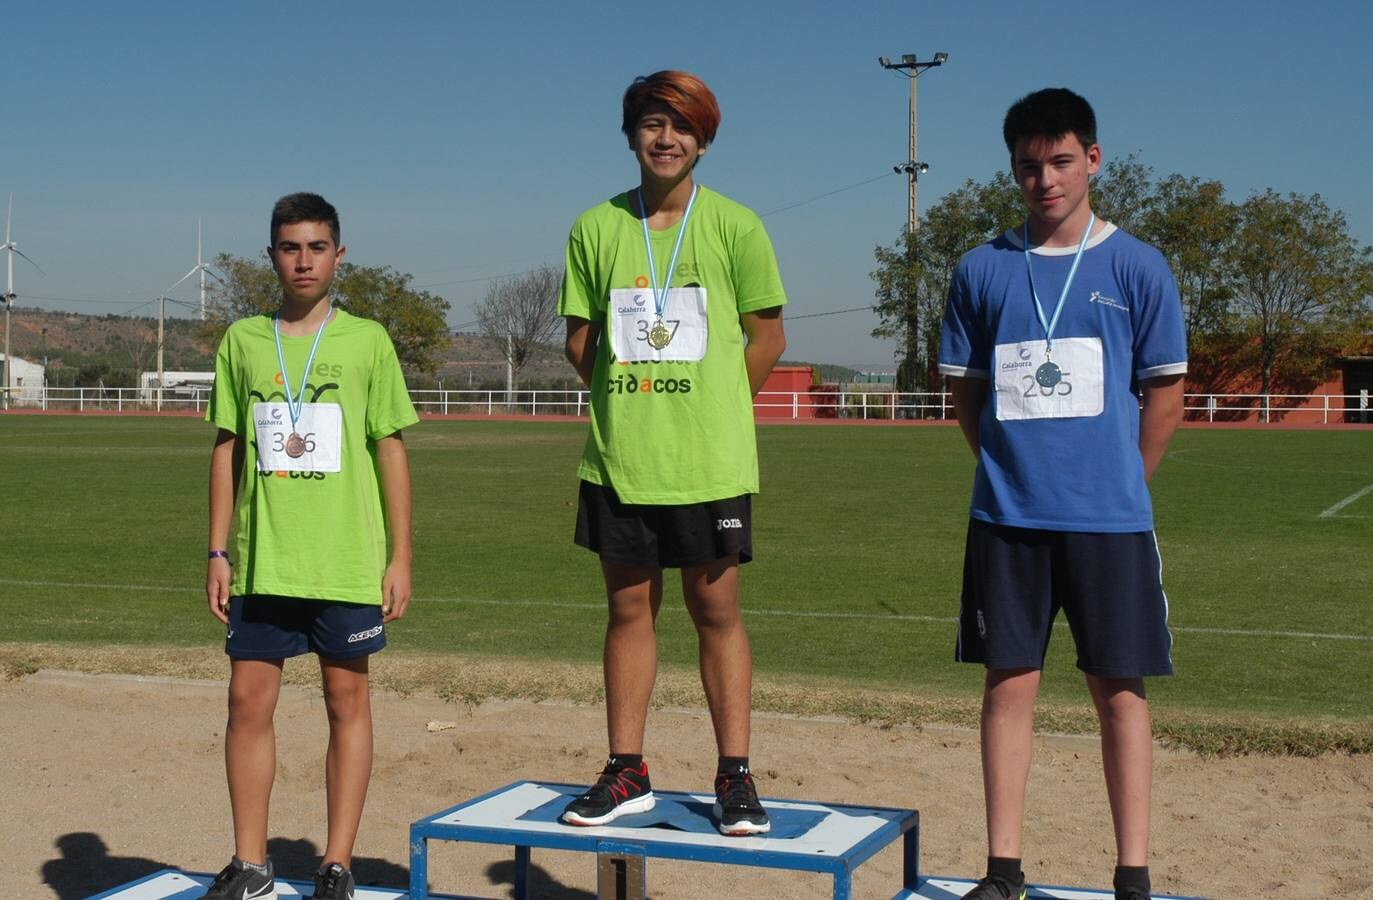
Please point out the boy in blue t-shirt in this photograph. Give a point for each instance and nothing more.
(1053, 334)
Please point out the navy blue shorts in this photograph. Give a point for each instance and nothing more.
(1109, 586)
(262, 626)
(669, 537)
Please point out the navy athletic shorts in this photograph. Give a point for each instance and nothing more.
(262, 626)
(664, 536)
(1109, 586)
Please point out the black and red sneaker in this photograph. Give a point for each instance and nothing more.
(737, 810)
(619, 791)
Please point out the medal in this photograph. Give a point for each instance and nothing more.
(1048, 375)
(659, 336)
(295, 444)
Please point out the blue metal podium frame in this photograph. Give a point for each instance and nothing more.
(846, 837)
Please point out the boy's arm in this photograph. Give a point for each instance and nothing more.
(394, 466)
(1162, 411)
(766, 342)
(582, 338)
(225, 461)
(969, 395)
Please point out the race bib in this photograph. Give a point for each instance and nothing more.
(320, 427)
(1030, 385)
(632, 320)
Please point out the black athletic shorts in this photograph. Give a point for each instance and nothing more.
(669, 537)
(262, 626)
(1109, 586)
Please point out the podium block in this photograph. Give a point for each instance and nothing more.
(825, 838)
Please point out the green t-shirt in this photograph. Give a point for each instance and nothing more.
(676, 430)
(318, 535)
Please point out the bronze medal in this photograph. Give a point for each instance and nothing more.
(659, 336)
(295, 446)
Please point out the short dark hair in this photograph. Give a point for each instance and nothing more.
(1050, 113)
(304, 207)
(683, 93)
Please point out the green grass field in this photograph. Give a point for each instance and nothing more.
(858, 536)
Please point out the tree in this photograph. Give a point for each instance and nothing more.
(415, 319)
(1299, 279)
(520, 313)
(1193, 225)
(913, 274)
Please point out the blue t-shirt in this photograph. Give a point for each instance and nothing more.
(1060, 443)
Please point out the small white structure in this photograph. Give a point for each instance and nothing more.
(175, 384)
(25, 380)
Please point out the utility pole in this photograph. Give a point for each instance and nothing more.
(912, 167)
(161, 318)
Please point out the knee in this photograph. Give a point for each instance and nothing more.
(631, 613)
(249, 710)
(346, 703)
(715, 615)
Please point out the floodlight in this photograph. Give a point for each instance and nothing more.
(884, 61)
(941, 58)
(908, 58)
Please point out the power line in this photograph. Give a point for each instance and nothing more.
(833, 312)
(841, 190)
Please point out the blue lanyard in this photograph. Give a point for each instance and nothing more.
(1077, 258)
(660, 297)
(294, 405)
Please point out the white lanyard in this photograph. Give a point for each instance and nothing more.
(295, 404)
(1077, 258)
(660, 297)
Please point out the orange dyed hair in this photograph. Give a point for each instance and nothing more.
(683, 93)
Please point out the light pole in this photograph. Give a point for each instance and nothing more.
(912, 167)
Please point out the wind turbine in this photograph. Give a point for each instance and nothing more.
(10, 248)
(200, 266)
(203, 268)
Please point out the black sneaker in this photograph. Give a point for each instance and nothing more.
(992, 888)
(737, 810)
(333, 882)
(1132, 893)
(618, 792)
(238, 881)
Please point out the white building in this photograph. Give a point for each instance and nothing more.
(175, 384)
(25, 381)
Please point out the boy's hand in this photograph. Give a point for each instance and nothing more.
(395, 591)
(217, 577)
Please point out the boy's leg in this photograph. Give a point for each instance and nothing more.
(1127, 750)
(1008, 702)
(630, 658)
(348, 764)
(712, 598)
(250, 752)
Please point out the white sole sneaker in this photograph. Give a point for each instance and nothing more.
(738, 829)
(629, 807)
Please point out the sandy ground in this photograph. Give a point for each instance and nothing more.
(108, 778)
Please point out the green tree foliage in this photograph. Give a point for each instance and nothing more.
(913, 274)
(1275, 286)
(415, 319)
(1300, 282)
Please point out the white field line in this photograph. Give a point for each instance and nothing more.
(779, 613)
(1330, 513)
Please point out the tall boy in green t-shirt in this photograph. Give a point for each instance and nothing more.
(310, 473)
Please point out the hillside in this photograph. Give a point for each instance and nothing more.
(86, 350)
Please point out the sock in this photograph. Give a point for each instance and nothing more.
(1007, 868)
(627, 760)
(732, 764)
(1132, 877)
(259, 868)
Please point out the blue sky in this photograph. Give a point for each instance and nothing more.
(460, 139)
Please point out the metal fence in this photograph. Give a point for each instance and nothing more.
(1306, 409)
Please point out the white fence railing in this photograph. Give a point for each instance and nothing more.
(1311, 409)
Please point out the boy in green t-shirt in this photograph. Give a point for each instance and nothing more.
(673, 304)
(310, 474)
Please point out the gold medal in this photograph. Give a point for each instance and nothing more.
(659, 336)
(295, 446)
